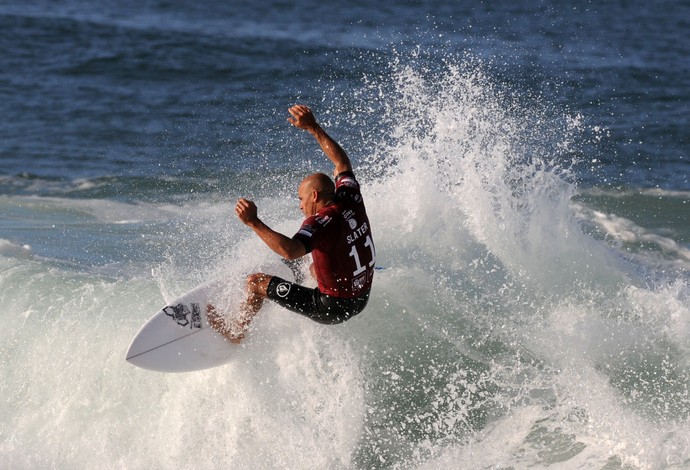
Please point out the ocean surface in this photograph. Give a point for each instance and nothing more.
(525, 167)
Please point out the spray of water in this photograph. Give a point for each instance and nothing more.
(498, 334)
(535, 318)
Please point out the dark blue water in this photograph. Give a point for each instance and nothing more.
(525, 166)
(151, 88)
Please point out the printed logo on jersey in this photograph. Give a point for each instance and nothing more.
(348, 181)
(364, 228)
(306, 230)
(359, 282)
(323, 219)
(283, 289)
(352, 223)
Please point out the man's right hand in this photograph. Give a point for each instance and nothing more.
(246, 211)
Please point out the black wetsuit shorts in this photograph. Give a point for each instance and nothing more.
(313, 304)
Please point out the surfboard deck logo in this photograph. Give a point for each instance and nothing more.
(183, 316)
(178, 338)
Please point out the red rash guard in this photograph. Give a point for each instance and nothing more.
(339, 238)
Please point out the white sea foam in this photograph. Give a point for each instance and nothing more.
(626, 230)
(500, 334)
(7, 248)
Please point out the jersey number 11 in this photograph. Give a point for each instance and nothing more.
(353, 252)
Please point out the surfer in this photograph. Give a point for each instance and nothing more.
(337, 233)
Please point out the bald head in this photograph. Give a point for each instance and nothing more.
(315, 191)
(321, 183)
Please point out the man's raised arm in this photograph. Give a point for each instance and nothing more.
(303, 118)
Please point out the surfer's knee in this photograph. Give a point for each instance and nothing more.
(257, 291)
(257, 283)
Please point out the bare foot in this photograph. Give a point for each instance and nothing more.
(233, 332)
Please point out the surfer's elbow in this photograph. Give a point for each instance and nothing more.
(292, 250)
(290, 255)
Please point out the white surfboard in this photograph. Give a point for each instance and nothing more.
(178, 338)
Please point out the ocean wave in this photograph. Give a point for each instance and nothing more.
(7, 248)
(627, 231)
(503, 333)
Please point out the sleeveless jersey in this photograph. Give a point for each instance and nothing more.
(339, 239)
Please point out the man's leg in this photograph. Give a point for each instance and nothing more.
(257, 291)
(257, 287)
